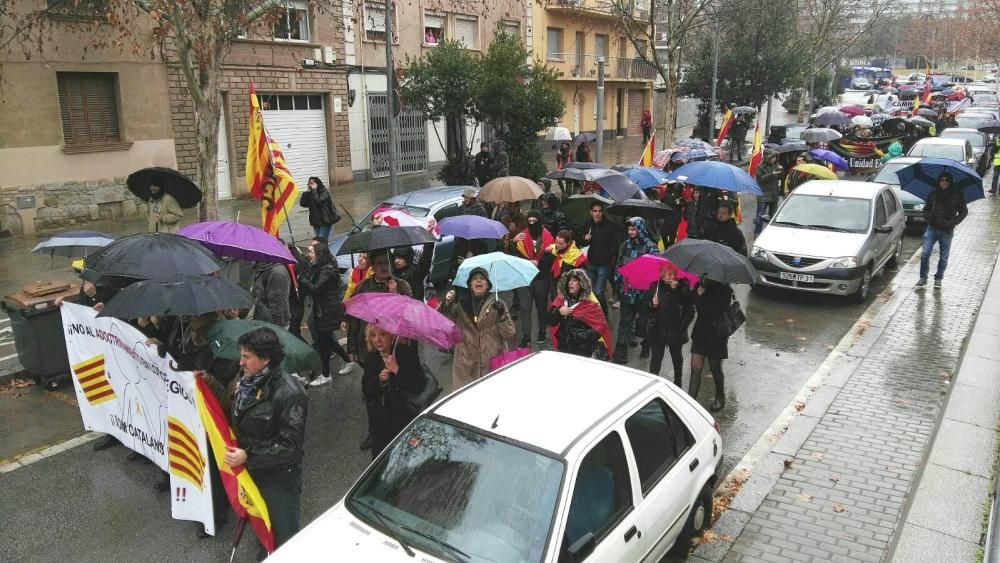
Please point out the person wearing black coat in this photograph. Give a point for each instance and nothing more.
(711, 299)
(392, 367)
(603, 238)
(672, 311)
(483, 164)
(404, 268)
(944, 210)
(573, 335)
(323, 285)
(724, 230)
(322, 214)
(553, 219)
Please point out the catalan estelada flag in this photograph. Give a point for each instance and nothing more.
(93, 381)
(183, 454)
(647, 154)
(757, 154)
(268, 177)
(727, 122)
(243, 493)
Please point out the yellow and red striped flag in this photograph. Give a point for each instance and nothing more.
(243, 493)
(757, 154)
(183, 453)
(268, 177)
(727, 122)
(647, 153)
(93, 380)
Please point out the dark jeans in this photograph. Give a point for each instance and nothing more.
(630, 315)
(676, 358)
(996, 178)
(735, 149)
(281, 489)
(763, 208)
(297, 309)
(599, 276)
(646, 133)
(323, 231)
(943, 238)
(326, 343)
(536, 295)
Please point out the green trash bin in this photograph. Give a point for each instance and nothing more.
(38, 333)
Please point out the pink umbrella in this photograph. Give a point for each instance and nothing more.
(404, 316)
(643, 272)
(851, 110)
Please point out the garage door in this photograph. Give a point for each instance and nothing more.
(636, 103)
(297, 123)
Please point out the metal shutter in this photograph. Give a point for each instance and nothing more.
(301, 134)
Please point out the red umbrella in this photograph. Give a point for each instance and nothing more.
(643, 272)
(852, 110)
(404, 316)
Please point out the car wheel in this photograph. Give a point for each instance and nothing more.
(897, 255)
(697, 522)
(866, 284)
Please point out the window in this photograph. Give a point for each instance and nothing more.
(292, 22)
(374, 20)
(658, 439)
(433, 29)
(299, 102)
(602, 494)
(601, 46)
(879, 212)
(512, 28)
(890, 203)
(88, 107)
(467, 31)
(77, 8)
(581, 48)
(553, 43)
(446, 211)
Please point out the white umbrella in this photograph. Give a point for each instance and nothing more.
(558, 134)
(862, 120)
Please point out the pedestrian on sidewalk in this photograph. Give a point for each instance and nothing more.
(737, 136)
(711, 300)
(603, 239)
(634, 301)
(724, 230)
(322, 212)
(564, 158)
(672, 311)
(485, 323)
(322, 283)
(647, 126)
(944, 209)
(271, 286)
(482, 164)
(501, 160)
(165, 214)
(996, 166)
(392, 367)
(531, 244)
(769, 175)
(583, 152)
(576, 321)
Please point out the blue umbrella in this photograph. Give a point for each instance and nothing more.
(472, 227)
(74, 244)
(506, 272)
(646, 176)
(692, 154)
(921, 178)
(833, 158)
(715, 174)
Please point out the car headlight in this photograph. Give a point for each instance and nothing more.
(758, 252)
(918, 207)
(845, 262)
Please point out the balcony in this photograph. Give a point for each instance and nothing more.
(584, 67)
(611, 9)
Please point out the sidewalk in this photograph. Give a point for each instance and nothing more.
(848, 474)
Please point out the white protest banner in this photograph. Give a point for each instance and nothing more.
(125, 389)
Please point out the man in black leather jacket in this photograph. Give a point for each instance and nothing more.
(944, 210)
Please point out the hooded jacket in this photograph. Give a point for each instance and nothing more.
(629, 250)
(579, 333)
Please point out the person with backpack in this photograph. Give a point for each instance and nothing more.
(322, 212)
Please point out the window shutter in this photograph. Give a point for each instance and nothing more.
(88, 108)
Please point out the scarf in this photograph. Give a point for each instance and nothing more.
(357, 276)
(572, 257)
(527, 246)
(248, 390)
(588, 311)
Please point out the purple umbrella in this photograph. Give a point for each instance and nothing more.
(833, 158)
(235, 240)
(472, 227)
(404, 316)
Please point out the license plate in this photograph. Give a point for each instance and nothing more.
(796, 277)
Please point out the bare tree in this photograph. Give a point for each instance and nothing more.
(985, 30)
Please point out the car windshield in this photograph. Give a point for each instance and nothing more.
(984, 99)
(887, 174)
(794, 131)
(461, 495)
(954, 152)
(847, 214)
(973, 137)
(971, 122)
(366, 223)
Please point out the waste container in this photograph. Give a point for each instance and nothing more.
(38, 331)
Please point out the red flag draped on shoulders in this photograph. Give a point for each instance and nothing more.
(527, 246)
(589, 312)
(572, 257)
(727, 122)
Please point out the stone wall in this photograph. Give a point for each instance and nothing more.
(63, 206)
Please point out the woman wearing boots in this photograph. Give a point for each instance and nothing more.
(711, 299)
(671, 311)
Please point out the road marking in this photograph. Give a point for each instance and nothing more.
(5, 358)
(27, 458)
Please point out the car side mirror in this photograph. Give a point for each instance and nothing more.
(582, 547)
(884, 229)
(765, 218)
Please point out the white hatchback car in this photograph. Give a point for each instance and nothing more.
(553, 458)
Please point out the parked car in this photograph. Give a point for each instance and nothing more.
(861, 83)
(980, 145)
(552, 458)
(831, 236)
(985, 100)
(793, 131)
(913, 206)
(972, 120)
(958, 150)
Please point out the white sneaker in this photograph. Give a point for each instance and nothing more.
(321, 380)
(348, 368)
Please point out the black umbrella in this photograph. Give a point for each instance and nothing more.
(744, 110)
(585, 138)
(618, 186)
(645, 208)
(578, 173)
(147, 256)
(921, 121)
(182, 188)
(177, 297)
(991, 126)
(896, 125)
(711, 260)
(577, 207)
(831, 118)
(380, 238)
(926, 112)
(790, 146)
(819, 135)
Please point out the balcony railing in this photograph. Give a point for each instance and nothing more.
(575, 66)
(607, 8)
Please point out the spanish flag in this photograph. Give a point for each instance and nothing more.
(243, 494)
(268, 177)
(926, 98)
(757, 154)
(647, 154)
(727, 122)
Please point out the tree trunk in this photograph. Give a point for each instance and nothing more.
(803, 104)
(666, 118)
(207, 134)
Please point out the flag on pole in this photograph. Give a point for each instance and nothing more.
(243, 493)
(926, 98)
(757, 154)
(727, 122)
(267, 175)
(647, 153)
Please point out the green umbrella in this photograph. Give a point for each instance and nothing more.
(223, 337)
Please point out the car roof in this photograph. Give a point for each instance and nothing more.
(905, 160)
(940, 141)
(963, 130)
(428, 196)
(841, 188)
(548, 400)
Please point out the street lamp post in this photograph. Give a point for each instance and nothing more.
(392, 125)
(715, 83)
(600, 108)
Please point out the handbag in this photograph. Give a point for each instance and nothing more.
(418, 402)
(331, 213)
(500, 360)
(731, 319)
